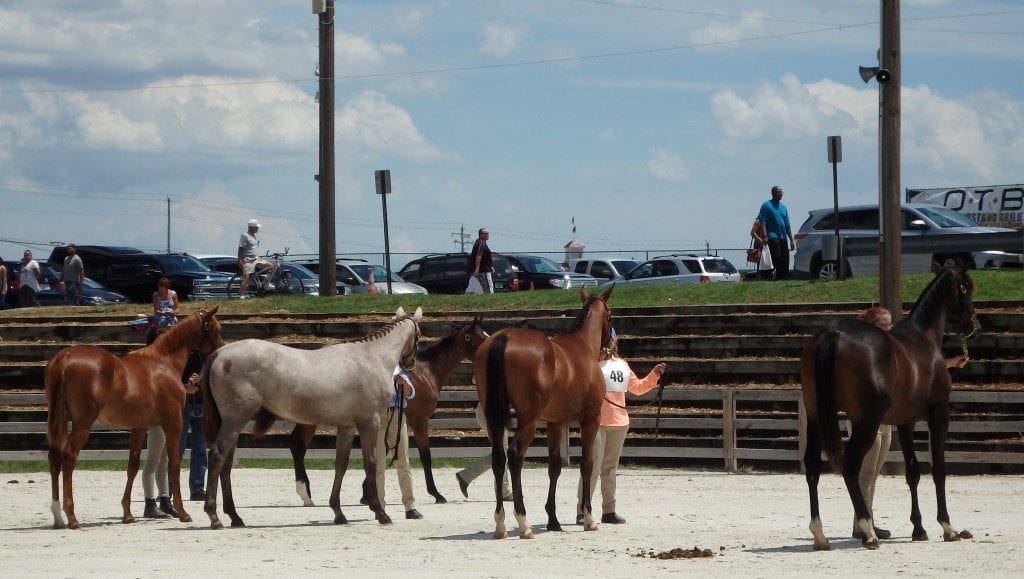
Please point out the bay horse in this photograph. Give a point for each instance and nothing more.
(877, 377)
(137, 391)
(434, 365)
(555, 380)
(346, 385)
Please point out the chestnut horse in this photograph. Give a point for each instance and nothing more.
(345, 385)
(434, 365)
(138, 391)
(877, 377)
(555, 380)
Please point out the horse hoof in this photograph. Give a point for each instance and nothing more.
(592, 527)
(185, 518)
(384, 520)
(950, 537)
(237, 523)
(919, 536)
(440, 500)
(823, 546)
(870, 544)
(500, 534)
(60, 525)
(527, 534)
(128, 520)
(965, 535)
(73, 525)
(340, 520)
(217, 525)
(554, 526)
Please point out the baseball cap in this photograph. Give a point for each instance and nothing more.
(254, 223)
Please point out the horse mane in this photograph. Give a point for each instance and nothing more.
(433, 351)
(173, 337)
(374, 333)
(929, 299)
(582, 316)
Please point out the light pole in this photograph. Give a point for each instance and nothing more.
(324, 10)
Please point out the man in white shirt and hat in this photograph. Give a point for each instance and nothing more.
(247, 246)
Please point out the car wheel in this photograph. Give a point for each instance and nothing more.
(826, 270)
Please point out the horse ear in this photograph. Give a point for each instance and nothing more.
(399, 313)
(417, 315)
(214, 310)
(607, 293)
(584, 294)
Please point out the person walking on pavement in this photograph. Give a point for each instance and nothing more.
(482, 464)
(394, 433)
(775, 217)
(72, 275)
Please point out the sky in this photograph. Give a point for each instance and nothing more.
(649, 126)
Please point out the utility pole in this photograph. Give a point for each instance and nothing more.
(168, 225)
(461, 238)
(890, 254)
(324, 11)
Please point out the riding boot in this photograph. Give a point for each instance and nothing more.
(167, 507)
(152, 511)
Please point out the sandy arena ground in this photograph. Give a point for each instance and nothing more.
(754, 525)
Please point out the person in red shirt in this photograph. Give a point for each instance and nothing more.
(619, 378)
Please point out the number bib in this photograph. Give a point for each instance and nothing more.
(616, 375)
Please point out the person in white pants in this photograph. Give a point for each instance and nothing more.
(396, 433)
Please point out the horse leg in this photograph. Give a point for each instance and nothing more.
(516, 454)
(53, 455)
(369, 445)
(298, 444)
(913, 467)
(588, 434)
(76, 441)
(554, 436)
(221, 452)
(172, 430)
(938, 424)
(812, 472)
(227, 487)
(420, 434)
(498, 466)
(134, 457)
(861, 439)
(342, 451)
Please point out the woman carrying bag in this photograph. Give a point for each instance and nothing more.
(757, 254)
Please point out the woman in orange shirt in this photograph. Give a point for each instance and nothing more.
(619, 379)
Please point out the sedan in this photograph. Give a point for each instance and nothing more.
(92, 294)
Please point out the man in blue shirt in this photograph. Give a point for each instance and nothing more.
(775, 217)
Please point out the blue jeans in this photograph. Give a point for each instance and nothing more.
(71, 291)
(192, 430)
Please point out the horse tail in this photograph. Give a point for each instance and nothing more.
(497, 408)
(262, 423)
(57, 414)
(211, 414)
(825, 392)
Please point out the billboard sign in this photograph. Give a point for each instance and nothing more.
(992, 206)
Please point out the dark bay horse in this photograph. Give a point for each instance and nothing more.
(434, 365)
(138, 391)
(878, 377)
(555, 380)
(345, 385)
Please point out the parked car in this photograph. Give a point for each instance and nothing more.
(355, 273)
(681, 268)
(537, 272)
(92, 294)
(310, 280)
(603, 268)
(448, 273)
(915, 219)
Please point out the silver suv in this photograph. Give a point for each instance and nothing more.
(603, 268)
(916, 219)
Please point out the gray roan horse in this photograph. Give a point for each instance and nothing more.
(877, 377)
(346, 385)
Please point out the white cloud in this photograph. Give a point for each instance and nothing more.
(665, 165)
(370, 124)
(500, 38)
(103, 127)
(724, 31)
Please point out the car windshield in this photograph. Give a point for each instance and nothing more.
(91, 284)
(718, 265)
(379, 273)
(177, 263)
(947, 218)
(536, 264)
(624, 265)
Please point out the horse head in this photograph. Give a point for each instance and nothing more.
(211, 338)
(960, 308)
(470, 336)
(408, 357)
(589, 303)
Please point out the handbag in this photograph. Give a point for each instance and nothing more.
(754, 255)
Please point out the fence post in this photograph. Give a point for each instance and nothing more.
(729, 428)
